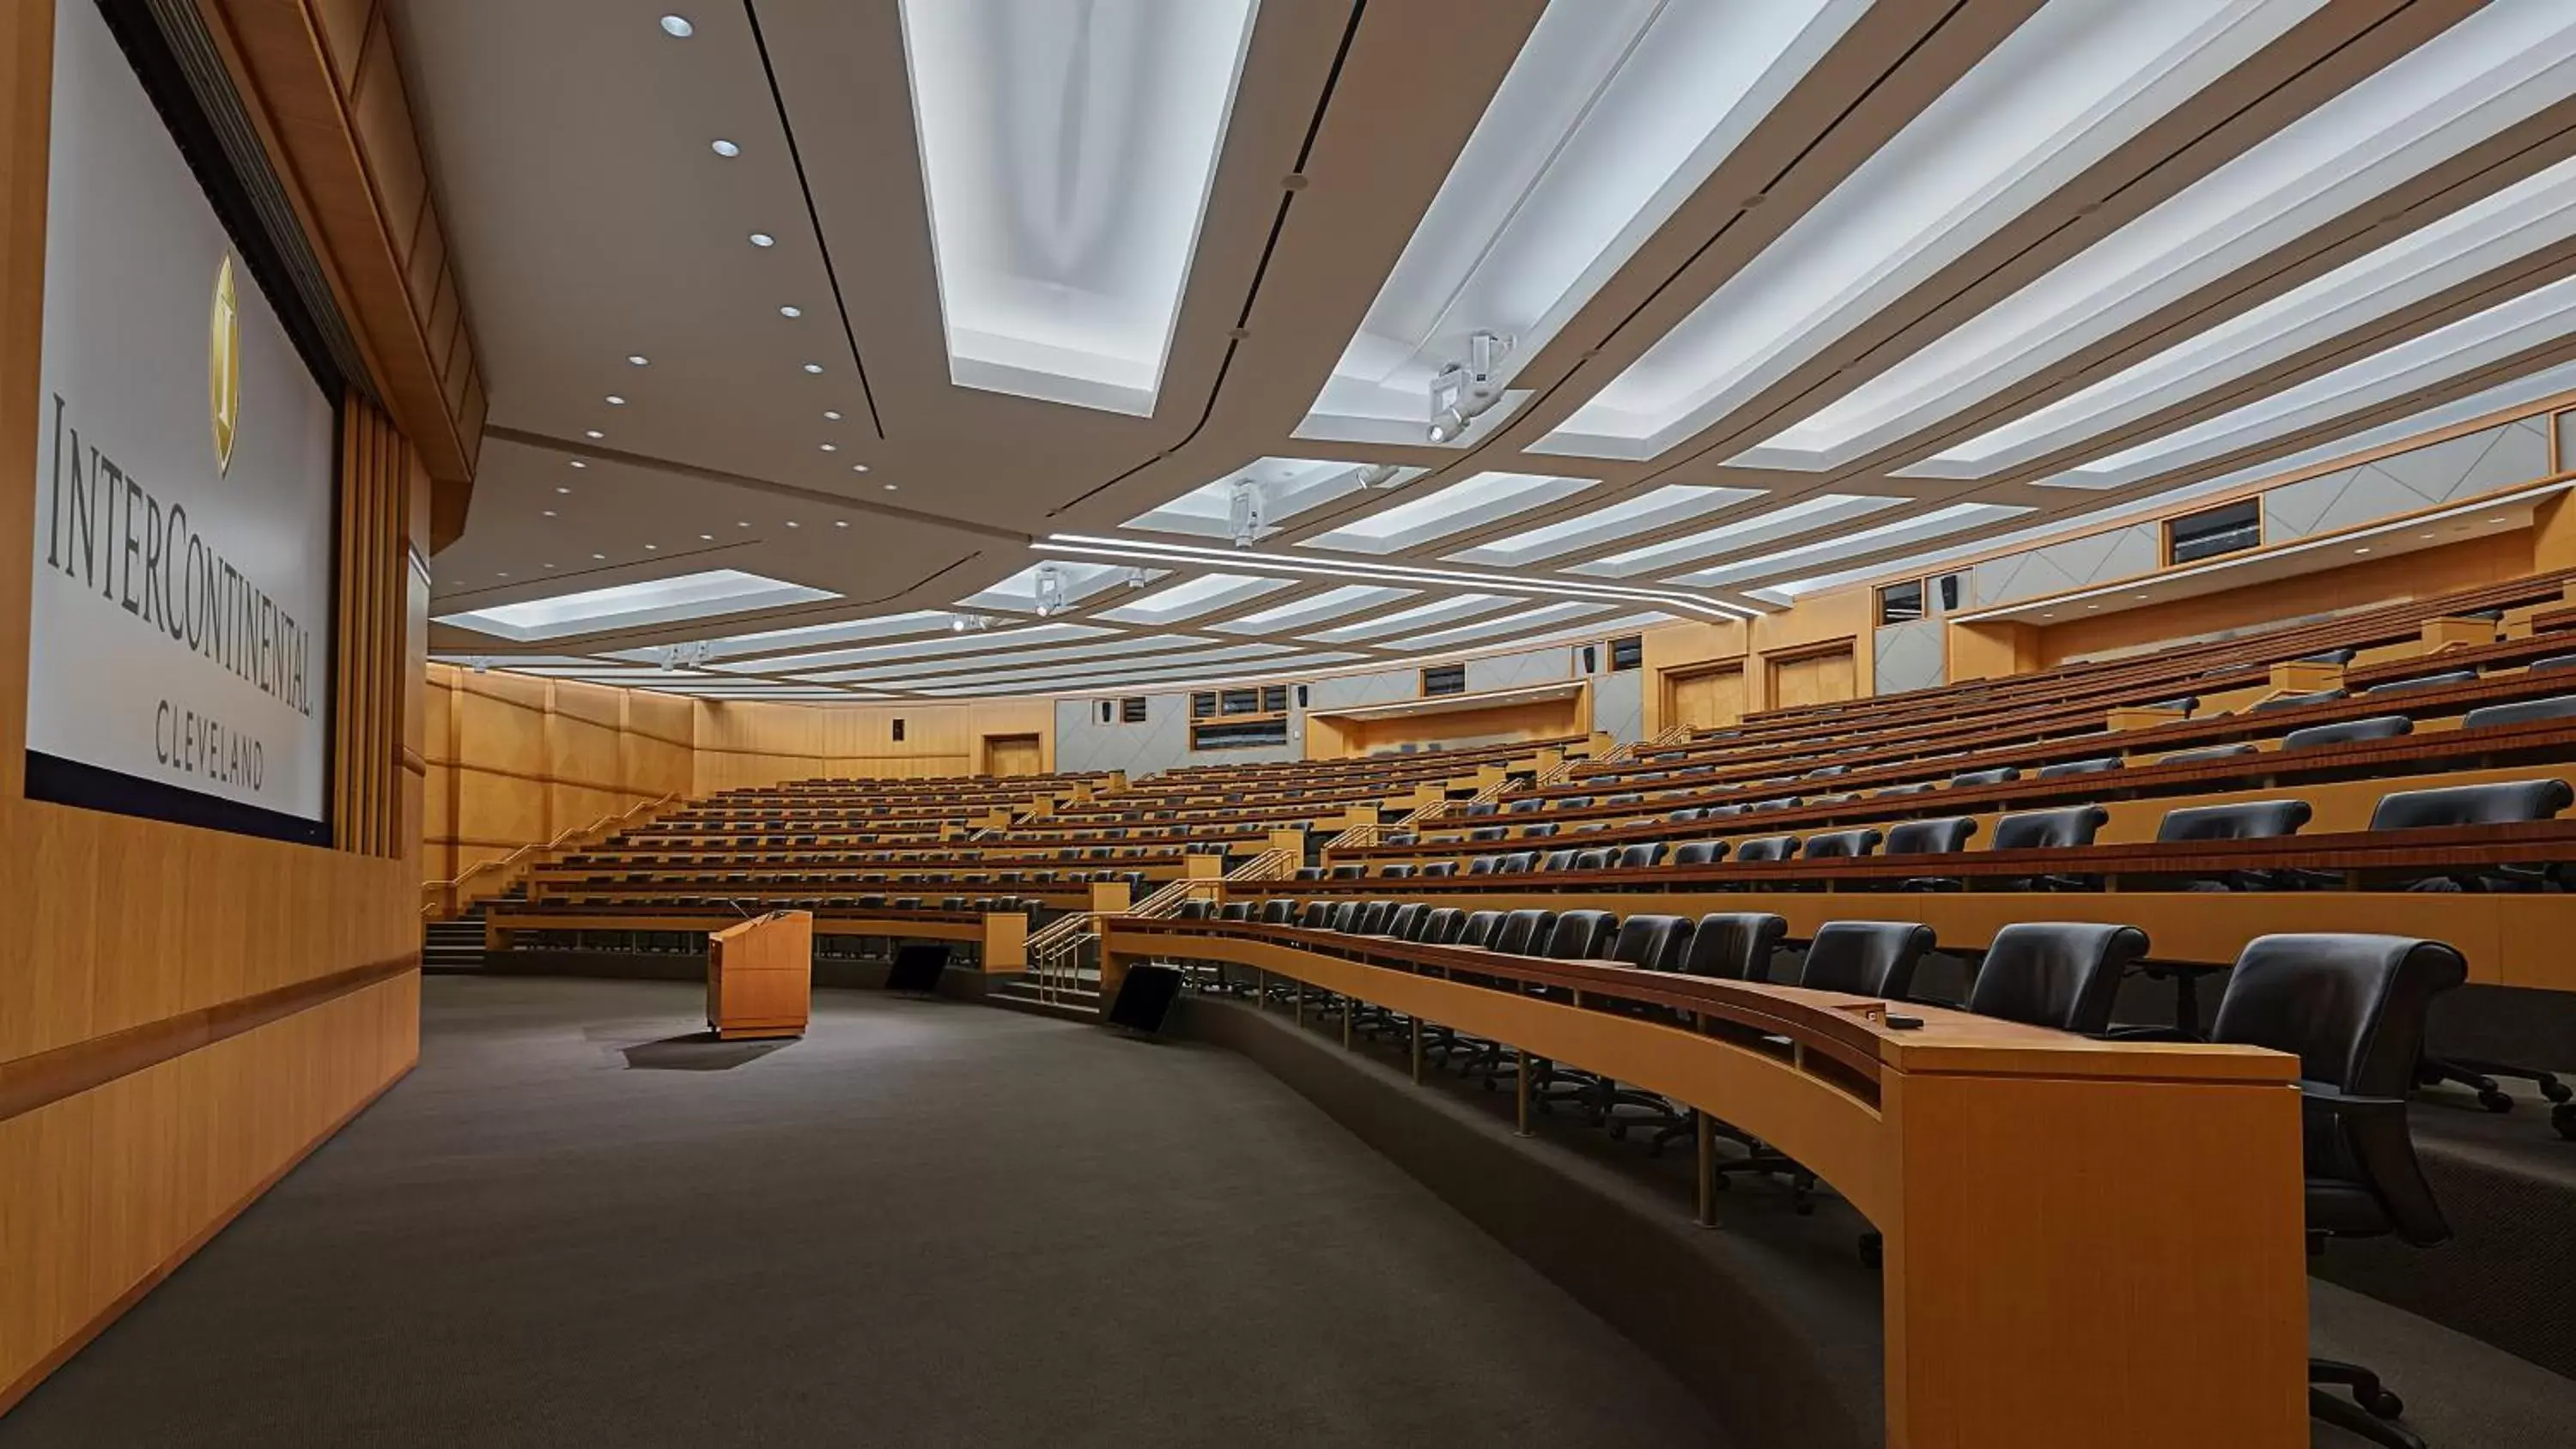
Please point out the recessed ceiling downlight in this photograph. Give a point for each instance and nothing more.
(678, 27)
(725, 148)
(763, 239)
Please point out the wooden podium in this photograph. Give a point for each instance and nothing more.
(760, 976)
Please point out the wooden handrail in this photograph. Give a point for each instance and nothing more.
(444, 900)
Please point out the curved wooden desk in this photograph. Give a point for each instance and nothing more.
(2087, 1243)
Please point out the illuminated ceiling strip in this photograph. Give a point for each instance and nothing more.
(966, 657)
(1887, 535)
(2535, 318)
(1453, 609)
(952, 643)
(2491, 70)
(628, 606)
(1306, 613)
(1067, 153)
(1611, 117)
(2067, 88)
(1177, 678)
(1484, 498)
(1089, 546)
(1785, 521)
(1122, 668)
(1644, 513)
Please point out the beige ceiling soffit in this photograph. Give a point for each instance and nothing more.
(325, 89)
(757, 485)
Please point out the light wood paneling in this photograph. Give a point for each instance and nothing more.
(1821, 676)
(1704, 699)
(183, 1012)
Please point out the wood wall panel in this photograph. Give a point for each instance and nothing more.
(184, 1012)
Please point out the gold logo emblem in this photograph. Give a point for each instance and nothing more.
(223, 366)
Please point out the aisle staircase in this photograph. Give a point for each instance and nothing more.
(454, 948)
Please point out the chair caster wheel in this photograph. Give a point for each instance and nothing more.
(2495, 1101)
(2385, 1405)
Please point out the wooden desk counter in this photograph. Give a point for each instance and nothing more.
(2086, 1243)
(760, 976)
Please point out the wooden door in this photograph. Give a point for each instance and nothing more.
(1706, 700)
(1820, 678)
(1013, 755)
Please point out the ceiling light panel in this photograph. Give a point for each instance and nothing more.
(1289, 486)
(1439, 611)
(886, 626)
(2535, 318)
(936, 644)
(1289, 618)
(1269, 666)
(1169, 659)
(1612, 115)
(1934, 524)
(631, 606)
(2491, 70)
(1821, 511)
(1018, 594)
(1463, 505)
(2539, 211)
(2069, 86)
(1646, 513)
(1521, 623)
(1205, 594)
(1067, 152)
(969, 661)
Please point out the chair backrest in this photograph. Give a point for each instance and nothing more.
(1945, 836)
(1721, 812)
(1439, 867)
(1348, 872)
(1544, 827)
(1345, 916)
(2095, 766)
(2425, 681)
(1623, 799)
(1699, 852)
(1519, 862)
(1479, 928)
(2063, 974)
(2352, 1009)
(1524, 807)
(2520, 712)
(1916, 788)
(2004, 774)
(1310, 872)
(1478, 807)
(1558, 859)
(1866, 958)
(1524, 932)
(2293, 701)
(2554, 664)
(1440, 926)
(1767, 847)
(1404, 920)
(1398, 871)
(1487, 832)
(2245, 820)
(1192, 909)
(1484, 864)
(1581, 935)
(2061, 829)
(1641, 855)
(1842, 844)
(1684, 814)
(1278, 912)
(2344, 732)
(1575, 802)
(1653, 943)
(2338, 656)
(2210, 752)
(1595, 858)
(1735, 945)
(1234, 911)
(2503, 803)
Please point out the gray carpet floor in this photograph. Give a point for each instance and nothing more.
(926, 1223)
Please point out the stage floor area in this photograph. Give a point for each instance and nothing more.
(926, 1223)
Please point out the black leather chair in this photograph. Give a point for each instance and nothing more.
(1405, 921)
(1234, 911)
(2293, 701)
(2063, 974)
(2506, 802)
(1946, 836)
(2352, 1009)
(1735, 945)
(1523, 932)
(1441, 926)
(2554, 664)
(1479, 929)
(1397, 872)
(1278, 912)
(1519, 862)
(2423, 681)
(2521, 712)
(1580, 936)
(2351, 731)
(1916, 788)
(1866, 958)
(1439, 868)
(1767, 847)
(1685, 814)
(2064, 768)
(1348, 872)
(1649, 943)
(1487, 832)
(1699, 852)
(1558, 860)
(1484, 864)
(1543, 828)
(1842, 844)
(1193, 909)
(2002, 775)
(1640, 856)
(2246, 820)
(2063, 829)
(1344, 916)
